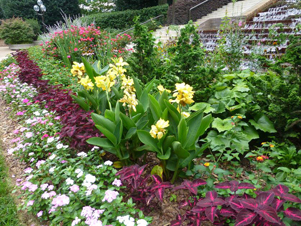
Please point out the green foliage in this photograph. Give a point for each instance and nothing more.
(6, 62)
(134, 4)
(16, 31)
(8, 210)
(144, 61)
(125, 19)
(35, 26)
(24, 9)
(279, 97)
(187, 63)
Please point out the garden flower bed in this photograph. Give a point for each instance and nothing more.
(195, 146)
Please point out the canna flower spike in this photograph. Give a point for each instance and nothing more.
(158, 130)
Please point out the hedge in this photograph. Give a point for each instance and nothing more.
(124, 19)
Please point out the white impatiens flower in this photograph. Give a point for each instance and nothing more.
(69, 181)
(36, 113)
(82, 154)
(51, 170)
(108, 163)
(79, 173)
(52, 156)
(142, 222)
(59, 146)
(89, 180)
(127, 220)
(50, 139)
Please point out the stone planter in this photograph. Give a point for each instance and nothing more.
(20, 46)
(37, 43)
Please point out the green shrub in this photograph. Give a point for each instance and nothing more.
(124, 19)
(16, 31)
(35, 26)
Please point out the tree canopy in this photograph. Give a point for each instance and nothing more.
(24, 9)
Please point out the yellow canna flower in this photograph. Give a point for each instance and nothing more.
(272, 145)
(128, 84)
(183, 94)
(206, 164)
(185, 114)
(161, 89)
(158, 130)
(130, 100)
(78, 69)
(86, 83)
(239, 117)
(104, 82)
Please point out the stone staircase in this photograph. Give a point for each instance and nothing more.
(255, 33)
(241, 9)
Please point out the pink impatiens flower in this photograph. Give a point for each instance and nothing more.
(110, 196)
(74, 188)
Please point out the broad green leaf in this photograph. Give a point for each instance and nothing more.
(284, 169)
(132, 131)
(101, 142)
(250, 133)
(117, 112)
(173, 112)
(81, 102)
(147, 139)
(85, 94)
(263, 123)
(127, 122)
(118, 131)
(182, 131)
(118, 95)
(155, 107)
(137, 87)
(179, 150)
(222, 125)
(193, 154)
(162, 98)
(164, 156)
(202, 105)
(108, 134)
(110, 115)
(167, 143)
(142, 122)
(102, 121)
(144, 96)
(89, 69)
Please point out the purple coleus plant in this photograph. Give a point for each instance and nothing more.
(243, 209)
(144, 188)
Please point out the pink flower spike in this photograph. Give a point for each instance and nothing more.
(25, 101)
(75, 49)
(68, 56)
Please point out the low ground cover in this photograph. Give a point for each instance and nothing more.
(219, 142)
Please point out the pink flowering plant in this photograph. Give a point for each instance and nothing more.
(62, 185)
(90, 42)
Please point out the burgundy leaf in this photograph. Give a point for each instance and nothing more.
(269, 214)
(157, 179)
(265, 198)
(198, 209)
(149, 199)
(249, 203)
(199, 182)
(176, 223)
(211, 195)
(277, 203)
(280, 189)
(218, 202)
(236, 205)
(189, 185)
(234, 185)
(183, 204)
(245, 217)
(227, 212)
(293, 213)
(210, 213)
(229, 199)
(246, 186)
(291, 198)
(223, 185)
(163, 185)
(141, 169)
(204, 202)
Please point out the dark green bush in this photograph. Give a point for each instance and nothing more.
(16, 31)
(125, 19)
(35, 26)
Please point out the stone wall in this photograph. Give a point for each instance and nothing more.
(2, 44)
(182, 9)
